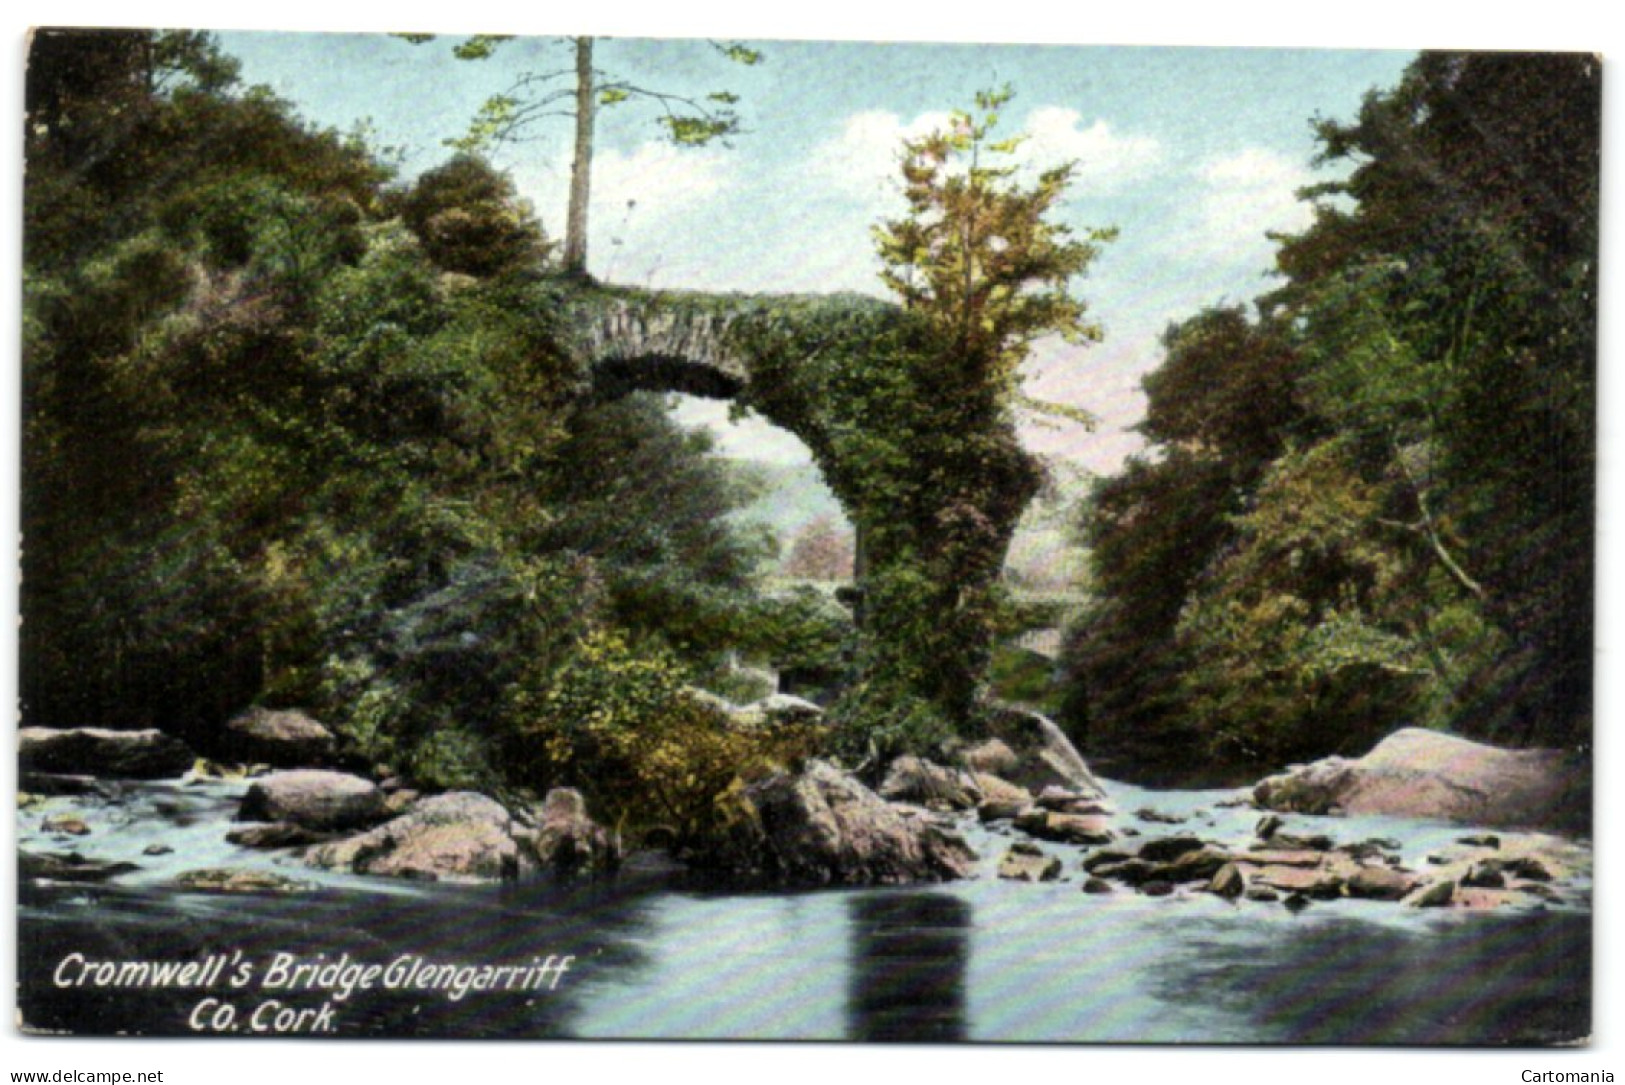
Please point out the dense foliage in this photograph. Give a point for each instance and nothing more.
(650, 752)
(298, 435)
(1372, 503)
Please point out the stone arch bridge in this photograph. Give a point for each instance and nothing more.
(933, 482)
(686, 341)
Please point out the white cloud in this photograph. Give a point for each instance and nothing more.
(1245, 195)
(1105, 159)
(635, 196)
(861, 162)
(662, 180)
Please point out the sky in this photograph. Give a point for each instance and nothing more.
(1193, 154)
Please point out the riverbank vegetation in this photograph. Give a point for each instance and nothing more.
(1368, 499)
(299, 432)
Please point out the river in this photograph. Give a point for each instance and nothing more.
(651, 956)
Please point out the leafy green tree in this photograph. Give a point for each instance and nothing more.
(275, 454)
(1464, 275)
(649, 503)
(578, 93)
(137, 611)
(1220, 409)
(469, 219)
(1374, 506)
(625, 728)
(933, 475)
(978, 253)
(1293, 642)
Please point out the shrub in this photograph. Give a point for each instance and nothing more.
(627, 730)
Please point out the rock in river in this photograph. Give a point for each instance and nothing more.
(286, 739)
(277, 834)
(65, 825)
(458, 836)
(97, 751)
(1437, 895)
(1000, 798)
(1229, 882)
(1026, 862)
(822, 827)
(1043, 755)
(916, 780)
(314, 799)
(1428, 774)
(568, 840)
(1168, 848)
(232, 880)
(71, 867)
(1085, 829)
(1380, 883)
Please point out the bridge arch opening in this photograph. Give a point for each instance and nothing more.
(789, 498)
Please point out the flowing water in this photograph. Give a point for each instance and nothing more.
(981, 960)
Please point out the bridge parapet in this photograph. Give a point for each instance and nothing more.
(636, 329)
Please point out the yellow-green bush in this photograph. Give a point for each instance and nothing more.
(642, 745)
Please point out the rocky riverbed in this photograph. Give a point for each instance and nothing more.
(1052, 909)
(1021, 806)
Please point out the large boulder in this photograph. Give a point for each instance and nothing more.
(314, 799)
(286, 739)
(916, 780)
(458, 836)
(822, 827)
(992, 758)
(1043, 755)
(98, 751)
(567, 839)
(1428, 774)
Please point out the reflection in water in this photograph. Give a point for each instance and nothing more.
(1516, 979)
(910, 953)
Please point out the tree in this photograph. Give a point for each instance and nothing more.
(468, 219)
(649, 502)
(1219, 409)
(821, 550)
(1374, 506)
(578, 92)
(978, 254)
(1307, 635)
(983, 271)
(1453, 311)
(155, 325)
